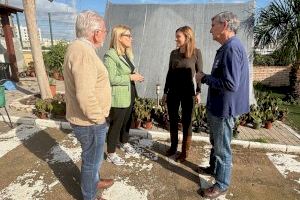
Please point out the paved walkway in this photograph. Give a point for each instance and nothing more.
(279, 134)
(39, 163)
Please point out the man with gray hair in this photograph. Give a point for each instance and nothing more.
(228, 97)
(88, 99)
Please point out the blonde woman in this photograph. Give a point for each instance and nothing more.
(181, 88)
(122, 74)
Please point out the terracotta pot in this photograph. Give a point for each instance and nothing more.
(148, 125)
(268, 125)
(243, 123)
(42, 115)
(137, 123)
(32, 74)
(53, 90)
(61, 77)
(56, 75)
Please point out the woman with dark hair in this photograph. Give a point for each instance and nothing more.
(181, 88)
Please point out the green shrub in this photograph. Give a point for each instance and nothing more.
(274, 59)
(54, 58)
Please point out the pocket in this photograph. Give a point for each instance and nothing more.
(82, 134)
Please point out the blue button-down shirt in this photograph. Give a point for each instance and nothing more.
(228, 92)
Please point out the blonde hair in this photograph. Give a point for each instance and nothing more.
(115, 43)
(190, 40)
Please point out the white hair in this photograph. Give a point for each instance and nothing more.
(87, 22)
(232, 20)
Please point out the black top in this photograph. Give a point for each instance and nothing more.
(129, 63)
(133, 88)
(181, 73)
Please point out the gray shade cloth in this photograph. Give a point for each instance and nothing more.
(153, 28)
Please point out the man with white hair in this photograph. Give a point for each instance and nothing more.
(88, 99)
(228, 97)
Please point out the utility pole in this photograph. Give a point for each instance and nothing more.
(30, 15)
(50, 26)
(19, 30)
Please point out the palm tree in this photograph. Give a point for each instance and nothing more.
(279, 24)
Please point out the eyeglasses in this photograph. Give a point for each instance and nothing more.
(127, 35)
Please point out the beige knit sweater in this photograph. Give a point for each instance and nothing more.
(87, 86)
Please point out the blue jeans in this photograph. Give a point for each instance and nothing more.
(92, 140)
(221, 130)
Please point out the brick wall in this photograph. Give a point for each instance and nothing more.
(272, 75)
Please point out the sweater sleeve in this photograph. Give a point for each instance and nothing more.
(85, 75)
(231, 72)
(168, 78)
(114, 77)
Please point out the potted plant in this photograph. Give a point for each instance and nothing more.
(148, 106)
(160, 115)
(147, 122)
(243, 119)
(256, 117)
(137, 112)
(269, 119)
(282, 113)
(257, 122)
(43, 108)
(55, 74)
(52, 84)
(54, 59)
(59, 106)
(199, 118)
(235, 128)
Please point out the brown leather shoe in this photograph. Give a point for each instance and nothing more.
(105, 183)
(213, 192)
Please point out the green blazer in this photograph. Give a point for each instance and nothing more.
(119, 75)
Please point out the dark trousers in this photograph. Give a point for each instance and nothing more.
(174, 100)
(120, 121)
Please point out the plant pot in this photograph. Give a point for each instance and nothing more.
(197, 129)
(137, 123)
(257, 125)
(148, 125)
(53, 90)
(243, 123)
(32, 74)
(56, 75)
(42, 115)
(61, 77)
(268, 125)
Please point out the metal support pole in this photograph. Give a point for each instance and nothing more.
(19, 30)
(50, 26)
